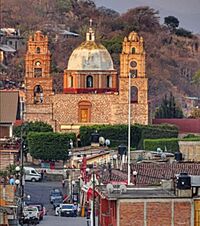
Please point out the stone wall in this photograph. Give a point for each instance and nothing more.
(190, 150)
(154, 212)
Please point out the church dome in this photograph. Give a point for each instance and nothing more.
(90, 56)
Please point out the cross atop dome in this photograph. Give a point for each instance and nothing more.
(90, 35)
(91, 22)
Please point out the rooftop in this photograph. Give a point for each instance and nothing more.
(135, 193)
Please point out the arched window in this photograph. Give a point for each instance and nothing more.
(38, 94)
(109, 81)
(38, 50)
(70, 81)
(133, 50)
(134, 94)
(84, 112)
(89, 81)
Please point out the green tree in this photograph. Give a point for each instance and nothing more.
(183, 32)
(27, 127)
(172, 22)
(49, 146)
(24, 129)
(169, 109)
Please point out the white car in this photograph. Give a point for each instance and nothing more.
(31, 174)
(66, 210)
(31, 214)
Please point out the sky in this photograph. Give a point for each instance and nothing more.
(186, 11)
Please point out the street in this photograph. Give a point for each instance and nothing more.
(39, 192)
(61, 221)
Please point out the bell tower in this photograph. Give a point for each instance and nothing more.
(132, 66)
(38, 81)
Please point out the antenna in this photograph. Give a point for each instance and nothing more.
(122, 188)
(109, 188)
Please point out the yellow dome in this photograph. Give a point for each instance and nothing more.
(90, 56)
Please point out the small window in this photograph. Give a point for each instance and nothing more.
(133, 50)
(33, 172)
(70, 81)
(10, 43)
(89, 81)
(109, 82)
(134, 94)
(38, 50)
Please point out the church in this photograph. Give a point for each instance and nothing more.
(93, 92)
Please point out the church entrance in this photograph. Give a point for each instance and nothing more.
(84, 112)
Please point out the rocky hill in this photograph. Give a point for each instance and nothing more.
(171, 60)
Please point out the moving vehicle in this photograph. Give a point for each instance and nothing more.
(40, 208)
(55, 194)
(31, 174)
(66, 210)
(31, 215)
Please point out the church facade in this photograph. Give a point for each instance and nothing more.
(93, 92)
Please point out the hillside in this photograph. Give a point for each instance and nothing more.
(171, 60)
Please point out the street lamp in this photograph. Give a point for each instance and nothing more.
(20, 189)
(134, 176)
(72, 190)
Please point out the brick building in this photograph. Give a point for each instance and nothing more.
(147, 207)
(93, 91)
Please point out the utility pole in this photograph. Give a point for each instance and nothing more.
(93, 198)
(129, 128)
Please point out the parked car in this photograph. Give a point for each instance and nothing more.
(66, 210)
(31, 174)
(31, 215)
(40, 207)
(55, 194)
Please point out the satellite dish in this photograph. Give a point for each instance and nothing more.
(109, 188)
(102, 140)
(123, 188)
(107, 142)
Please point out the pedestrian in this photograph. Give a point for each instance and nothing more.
(75, 208)
(63, 183)
(45, 175)
(12, 181)
(42, 174)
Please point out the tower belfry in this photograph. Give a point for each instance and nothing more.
(132, 63)
(38, 81)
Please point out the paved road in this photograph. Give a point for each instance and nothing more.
(39, 192)
(63, 221)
